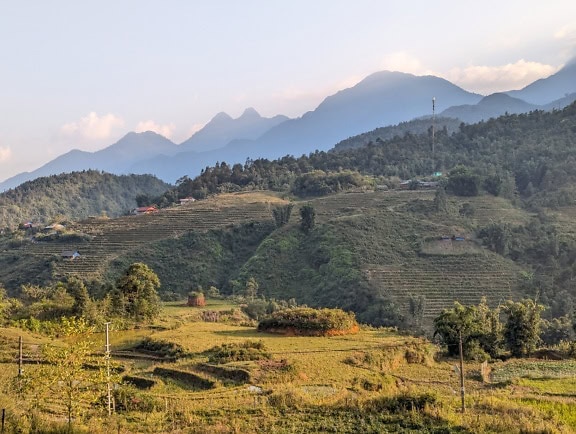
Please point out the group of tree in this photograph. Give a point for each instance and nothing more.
(76, 195)
(133, 299)
(501, 156)
(484, 336)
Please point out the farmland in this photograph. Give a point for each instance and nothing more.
(397, 245)
(353, 383)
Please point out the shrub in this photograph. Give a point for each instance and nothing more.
(139, 382)
(309, 321)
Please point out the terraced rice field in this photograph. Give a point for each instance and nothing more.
(113, 237)
(443, 279)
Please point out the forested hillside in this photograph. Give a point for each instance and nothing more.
(498, 223)
(532, 154)
(75, 196)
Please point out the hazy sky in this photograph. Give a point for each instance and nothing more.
(81, 74)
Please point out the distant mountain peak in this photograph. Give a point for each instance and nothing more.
(250, 113)
(220, 117)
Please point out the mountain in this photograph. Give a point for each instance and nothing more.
(222, 129)
(381, 99)
(491, 106)
(548, 89)
(116, 158)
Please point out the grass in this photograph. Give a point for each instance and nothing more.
(311, 385)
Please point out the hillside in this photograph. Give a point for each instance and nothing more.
(367, 251)
(75, 196)
(376, 249)
(416, 127)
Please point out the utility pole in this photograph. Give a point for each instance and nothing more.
(20, 370)
(108, 369)
(461, 370)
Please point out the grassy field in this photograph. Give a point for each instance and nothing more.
(373, 381)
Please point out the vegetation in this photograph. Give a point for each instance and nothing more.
(522, 330)
(478, 327)
(75, 195)
(308, 321)
(486, 253)
(234, 378)
(238, 352)
(137, 295)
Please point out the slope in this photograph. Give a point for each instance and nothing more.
(75, 195)
(383, 98)
(117, 158)
(548, 89)
(367, 250)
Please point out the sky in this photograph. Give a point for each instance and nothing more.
(81, 74)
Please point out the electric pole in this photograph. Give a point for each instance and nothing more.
(20, 368)
(461, 370)
(107, 347)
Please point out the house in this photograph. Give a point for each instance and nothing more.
(186, 200)
(70, 254)
(144, 210)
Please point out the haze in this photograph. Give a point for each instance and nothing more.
(82, 74)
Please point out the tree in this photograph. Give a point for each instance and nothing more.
(282, 214)
(496, 237)
(557, 330)
(462, 182)
(308, 218)
(479, 327)
(138, 287)
(67, 378)
(251, 289)
(3, 304)
(522, 328)
(76, 288)
(441, 201)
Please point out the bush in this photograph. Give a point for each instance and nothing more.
(309, 321)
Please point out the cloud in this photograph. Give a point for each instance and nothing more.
(567, 32)
(166, 130)
(93, 127)
(403, 62)
(490, 79)
(5, 153)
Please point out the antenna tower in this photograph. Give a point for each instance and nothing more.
(433, 123)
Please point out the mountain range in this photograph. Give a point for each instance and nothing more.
(381, 99)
